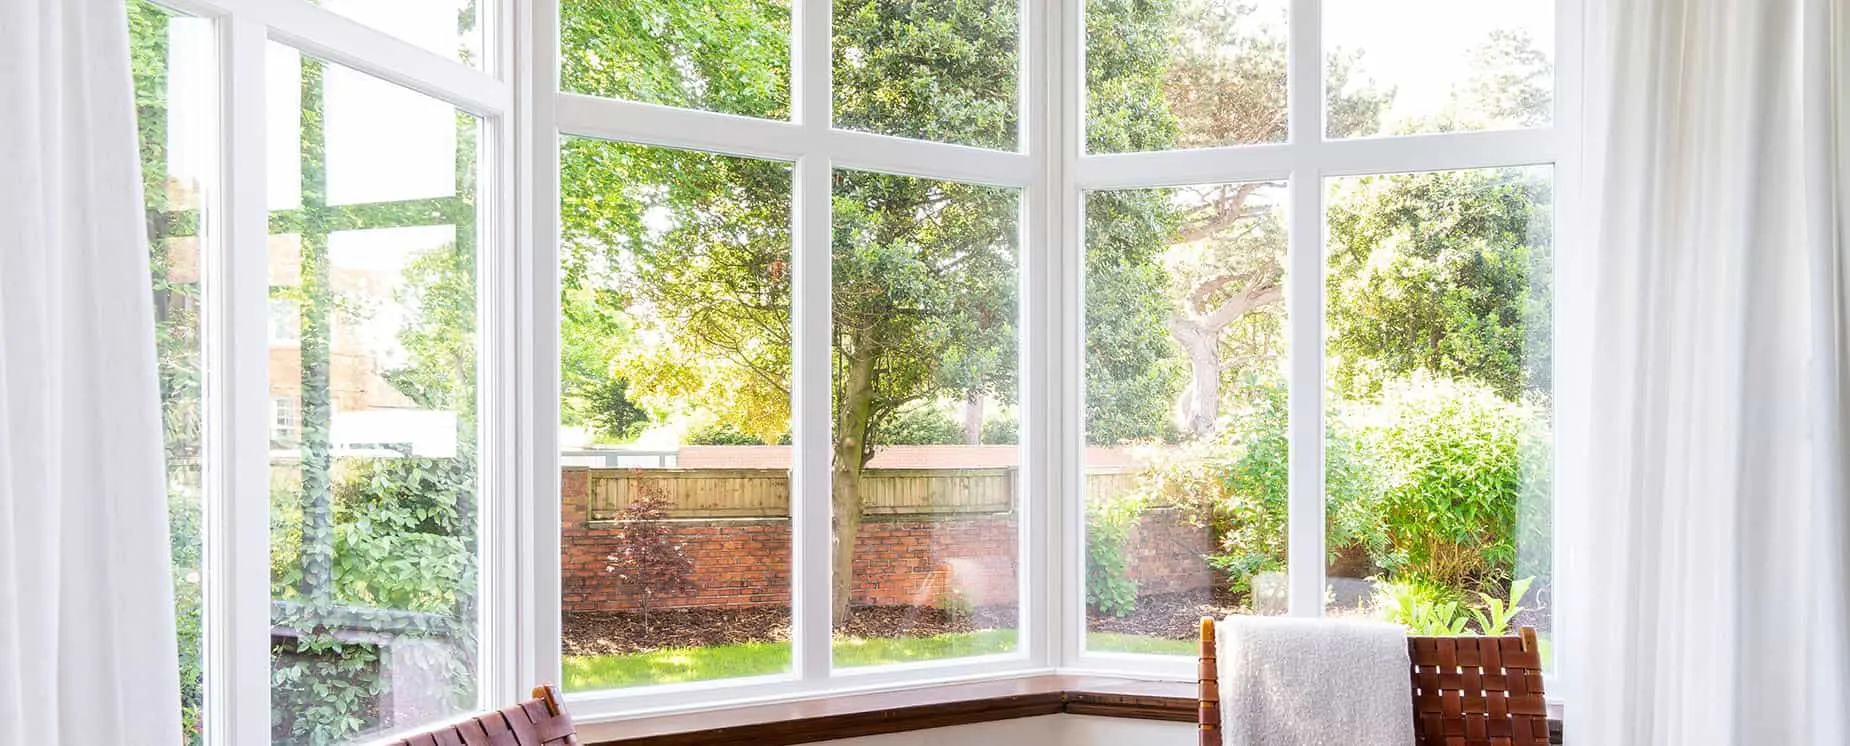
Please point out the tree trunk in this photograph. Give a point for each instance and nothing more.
(973, 418)
(850, 460)
(1200, 405)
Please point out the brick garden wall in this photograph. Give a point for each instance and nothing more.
(742, 562)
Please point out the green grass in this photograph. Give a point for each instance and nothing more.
(1116, 642)
(676, 665)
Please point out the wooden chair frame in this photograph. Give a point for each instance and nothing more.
(540, 721)
(1467, 691)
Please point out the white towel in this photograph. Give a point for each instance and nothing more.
(1314, 682)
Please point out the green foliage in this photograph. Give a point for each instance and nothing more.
(731, 56)
(403, 565)
(1110, 589)
(920, 425)
(1239, 485)
(1494, 615)
(1134, 370)
(1422, 607)
(1447, 272)
(719, 435)
(1428, 608)
(609, 409)
(1451, 454)
(1002, 431)
(438, 295)
(940, 70)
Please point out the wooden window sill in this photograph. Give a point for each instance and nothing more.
(852, 715)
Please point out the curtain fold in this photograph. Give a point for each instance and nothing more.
(1714, 606)
(87, 646)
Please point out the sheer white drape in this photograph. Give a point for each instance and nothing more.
(1715, 530)
(87, 649)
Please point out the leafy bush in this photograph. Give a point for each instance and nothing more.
(403, 568)
(1427, 608)
(184, 519)
(1451, 458)
(1238, 484)
(1110, 589)
(720, 435)
(919, 426)
(1424, 608)
(1002, 431)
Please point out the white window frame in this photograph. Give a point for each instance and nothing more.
(1053, 172)
(524, 115)
(1306, 160)
(236, 313)
(816, 149)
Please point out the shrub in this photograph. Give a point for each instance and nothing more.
(1423, 607)
(1110, 589)
(1427, 608)
(403, 541)
(1451, 459)
(1002, 431)
(648, 560)
(1238, 484)
(720, 435)
(923, 425)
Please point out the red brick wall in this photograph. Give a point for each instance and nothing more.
(746, 562)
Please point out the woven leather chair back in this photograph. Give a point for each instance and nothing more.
(540, 721)
(1467, 691)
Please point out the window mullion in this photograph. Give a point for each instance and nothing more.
(811, 402)
(1304, 313)
(237, 399)
(812, 323)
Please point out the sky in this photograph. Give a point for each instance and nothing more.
(1420, 47)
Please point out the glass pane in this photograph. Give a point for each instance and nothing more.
(282, 121)
(1172, 74)
(373, 364)
(1186, 412)
(1419, 66)
(1439, 465)
(175, 83)
(419, 139)
(675, 406)
(926, 506)
(939, 70)
(452, 28)
(728, 56)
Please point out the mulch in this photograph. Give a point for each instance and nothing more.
(616, 633)
(1175, 616)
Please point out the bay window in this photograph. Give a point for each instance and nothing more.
(688, 353)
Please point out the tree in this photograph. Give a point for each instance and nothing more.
(924, 271)
(647, 559)
(1449, 272)
(1443, 272)
(1204, 73)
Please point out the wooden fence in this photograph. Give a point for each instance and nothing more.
(765, 493)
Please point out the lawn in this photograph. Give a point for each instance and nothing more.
(675, 665)
(1115, 642)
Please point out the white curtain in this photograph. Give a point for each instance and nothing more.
(87, 648)
(1713, 550)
